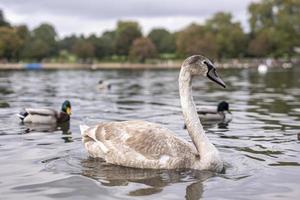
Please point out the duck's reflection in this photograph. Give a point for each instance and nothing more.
(223, 125)
(48, 128)
(66, 132)
(154, 180)
(212, 124)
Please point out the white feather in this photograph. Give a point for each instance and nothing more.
(83, 128)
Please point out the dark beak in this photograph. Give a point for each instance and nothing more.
(212, 75)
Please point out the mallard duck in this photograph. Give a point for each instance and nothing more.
(142, 144)
(214, 114)
(46, 115)
(220, 113)
(103, 86)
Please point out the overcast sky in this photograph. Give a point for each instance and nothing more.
(96, 16)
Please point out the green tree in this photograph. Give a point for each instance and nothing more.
(67, 43)
(261, 16)
(41, 43)
(3, 22)
(108, 39)
(280, 18)
(9, 43)
(83, 49)
(261, 45)
(230, 38)
(35, 50)
(195, 39)
(142, 49)
(47, 34)
(104, 45)
(24, 35)
(163, 40)
(126, 33)
(23, 32)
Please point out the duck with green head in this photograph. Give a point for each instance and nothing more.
(220, 113)
(46, 115)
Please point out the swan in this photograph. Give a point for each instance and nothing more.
(262, 68)
(46, 115)
(147, 145)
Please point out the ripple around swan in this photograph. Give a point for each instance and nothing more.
(259, 146)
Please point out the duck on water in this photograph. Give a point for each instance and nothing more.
(220, 114)
(142, 144)
(46, 115)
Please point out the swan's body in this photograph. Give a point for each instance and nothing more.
(143, 144)
(46, 115)
(138, 143)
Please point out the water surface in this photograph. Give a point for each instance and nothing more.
(260, 146)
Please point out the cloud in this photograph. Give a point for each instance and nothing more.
(96, 16)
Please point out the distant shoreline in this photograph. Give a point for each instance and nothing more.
(233, 63)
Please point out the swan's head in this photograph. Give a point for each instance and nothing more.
(200, 65)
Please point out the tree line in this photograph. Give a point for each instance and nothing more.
(274, 32)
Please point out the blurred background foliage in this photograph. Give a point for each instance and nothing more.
(274, 32)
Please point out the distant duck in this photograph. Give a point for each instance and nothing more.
(221, 112)
(46, 115)
(262, 68)
(103, 86)
(213, 114)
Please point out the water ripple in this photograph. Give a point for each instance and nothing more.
(260, 147)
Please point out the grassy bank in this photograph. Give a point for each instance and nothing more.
(232, 63)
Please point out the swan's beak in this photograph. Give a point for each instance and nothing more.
(212, 75)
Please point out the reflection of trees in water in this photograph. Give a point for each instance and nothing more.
(154, 180)
(47, 128)
(272, 93)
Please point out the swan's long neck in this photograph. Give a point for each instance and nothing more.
(190, 115)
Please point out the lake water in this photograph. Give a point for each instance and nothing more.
(260, 145)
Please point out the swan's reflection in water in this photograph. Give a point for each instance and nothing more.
(48, 128)
(154, 181)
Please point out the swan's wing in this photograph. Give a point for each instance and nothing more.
(206, 110)
(41, 111)
(138, 144)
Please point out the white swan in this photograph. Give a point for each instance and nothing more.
(262, 68)
(142, 144)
